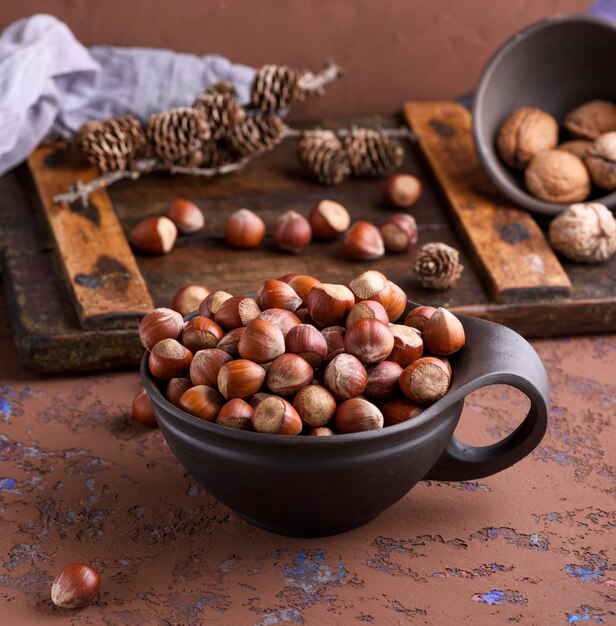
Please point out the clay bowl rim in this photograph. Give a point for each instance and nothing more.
(487, 156)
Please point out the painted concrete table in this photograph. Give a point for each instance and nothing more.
(81, 481)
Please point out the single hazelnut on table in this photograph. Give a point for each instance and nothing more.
(200, 333)
(334, 337)
(176, 388)
(237, 311)
(303, 285)
(306, 341)
(285, 320)
(321, 431)
(398, 411)
(261, 342)
(425, 381)
(155, 235)
(397, 303)
(205, 366)
(399, 232)
(329, 304)
(357, 415)
(229, 343)
(402, 190)
(188, 298)
(408, 345)
(578, 147)
(142, 409)
(371, 285)
(75, 586)
(557, 176)
(363, 242)
(292, 232)
(276, 294)
(345, 376)
(591, 119)
(185, 215)
(240, 379)
(209, 307)
(169, 359)
(444, 333)
(367, 309)
(288, 374)
(160, 324)
(244, 230)
(369, 340)
(236, 414)
(601, 161)
(202, 402)
(419, 316)
(276, 416)
(329, 219)
(524, 134)
(315, 405)
(382, 383)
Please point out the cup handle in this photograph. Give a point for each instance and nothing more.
(495, 354)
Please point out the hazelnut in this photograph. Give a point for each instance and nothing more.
(237, 311)
(303, 315)
(142, 409)
(200, 333)
(75, 586)
(334, 337)
(419, 316)
(285, 320)
(287, 277)
(288, 374)
(202, 402)
(369, 340)
(169, 359)
(160, 324)
(315, 405)
(205, 366)
(363, 242)
(236, 414)
(592, 119)
(261, 342)
(524, 134)
(292, 232)
(209, 307)
(601, 161)
(276, 416)
(231, 340)
(578, 147)
(357, 415)
(185, 215)
(367, 309)
(398, 411)
(408, 345)
(397, 303)
(382, 383)
(399, 232)
(155, 235)
(188, 298)
(306, 341)
(321, 431)
(303, 285)
(329, 304)
(557, 176)
(345, 376)
(402, 190)
(329, 219)
(240, 379)
(244, 230)
(425, 381)
(585, 233)
(444, 333)
(371, 285)
(176, 388)
(259, 397)
(276, 294)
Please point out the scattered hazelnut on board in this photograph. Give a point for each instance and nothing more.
(292, 232)
(236, 414)
(399, 232)
(276, 416)
(75, 586)
(524, 134)
(201, 333)
(578, 147)
(601, 161)
(591, 119)
(205, 366)
(261, 342)
(443, 334)
(315, 405)
(557, 176)
(202, 402)
(425, 381)
(363, 242)
(169, 359)
(188, 298)
(402, 190)
(160, 324)
(155, 235)
(357, 415)
(328, 219)
(142, 409)
(585, 233)
(244, 229)
(437, 266)
(186, 215)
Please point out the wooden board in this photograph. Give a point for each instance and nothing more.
(50, 336)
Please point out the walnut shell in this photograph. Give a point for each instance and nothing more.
(601, 161)
(585, 232)
(557, 176)
(591, 119)
(525, 133)
(579, 147)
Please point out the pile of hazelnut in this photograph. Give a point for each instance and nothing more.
(303, 356)
(562, 172)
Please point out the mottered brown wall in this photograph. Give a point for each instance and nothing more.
(391, 50)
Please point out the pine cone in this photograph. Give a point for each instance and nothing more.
(437, 265)
(216, 152)
(371, 154)
(223, 87)
(176, 135)
(256, 134)
(324, 156)
(132, 128)
(274, 88)
(221, 112)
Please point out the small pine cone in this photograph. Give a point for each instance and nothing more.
(275, 88)
(256, 134)
(105, 146)
(223, 87)
(437, 265)
(216, 152)
(324, 156)
(372, 154)
(221, 112)
(176, 135)
(132, 128)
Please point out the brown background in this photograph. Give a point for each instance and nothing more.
(391, 51)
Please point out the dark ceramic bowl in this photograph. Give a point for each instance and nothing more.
(555, 64)
(314, 486)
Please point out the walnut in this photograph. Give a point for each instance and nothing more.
(525, 133)
(437, 266)
(557, 176)
(601, 161)
(579, 147)
(585, 232)
(592, 119)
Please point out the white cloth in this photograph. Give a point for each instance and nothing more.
(50, 83)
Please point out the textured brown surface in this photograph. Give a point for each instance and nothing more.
(80, 480)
